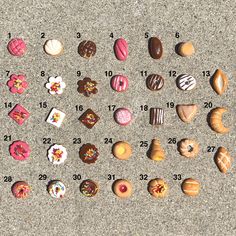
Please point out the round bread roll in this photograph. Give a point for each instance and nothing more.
(191, 187)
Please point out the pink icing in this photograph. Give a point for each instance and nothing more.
(17, 47)
(19, 114)
(119, 83)
(123, 116)
(20, 150)
(121, 49)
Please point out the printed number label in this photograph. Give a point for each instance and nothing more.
(108, 73)
(108, 140)
(171, 140)
(144, 107)
(111, 35)
(8, 72)
(143, 144)
(79, 108)
(7, 179)
(42, 177)
(8, 105)
(177, 177)
(76, 140)
(43, 105)
(170, 105)
(111, 107)
(211, 148)
(143, 73)
(78, 35)
(172, 73)
(76, 177)
(47, 140)
(78, 73)
(9, 35)
(111, 177)
(177, 35)
(42, 35)
(208, 104)
(206, 73)
(42, 73)
(7, 138)
(143, 177)
(146, 35)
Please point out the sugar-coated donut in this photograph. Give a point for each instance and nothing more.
(17, 47)
(158, 188)
(119, 83)
(191, 187)
(122, 150)
(123, 116)
(56, 189)
(122, 188)
(53, 47)
(20, 189)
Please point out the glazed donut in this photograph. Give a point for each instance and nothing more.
(188, 148)
(56, 189)
(122, 188)
(158, 188)
(122, 150)
(119, 83)
(20, 189)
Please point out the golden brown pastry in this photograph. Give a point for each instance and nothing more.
(156, 152)
(122, 150)
(186, 112)
(219, 82)
(191, 187)
(223, 159)
(158, 188)
(188, 148)
(186, 49)
(215, 120)
(122, 188)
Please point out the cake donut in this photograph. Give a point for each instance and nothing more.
(53, 47)
(158, 188)
(20, 150)
(123, 116)
(121, 49)
(154, 82)
(122, 188)
(17, 47)
(186, 82)
(56, 189)
(191, 187)
(20, 189)
(119, 83)
(122, 150)
(188, 148)
(89, 188)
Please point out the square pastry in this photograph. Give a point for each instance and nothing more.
(89, 118)
(19, 114)
(56, 117)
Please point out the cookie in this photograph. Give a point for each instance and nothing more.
(19, 114)
(87, 49)
(87, 87)
(155, 48)
(53, 47)
(219, 82)
(191, 187)
(17, 83)
(20, 150)
(89, 118)
(158, 188)
(122, 150)
(223, 159)
(156, 116)
(89, 188)
(154, 82)
(17, 47)
(123, 116)
(119, 83)
(186, 82)
(156, 151)
(56, 189)
(121, 49)
(186, 49)
(56, 117)
(20, 189)
(188, 148)
(88, 153)
(122, 188)
(55, 85)
(186, 112)
(57, 154)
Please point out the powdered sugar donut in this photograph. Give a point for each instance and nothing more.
(119, 83)
(53, 47)
(123, 116)
(121, 49)
(17, 47)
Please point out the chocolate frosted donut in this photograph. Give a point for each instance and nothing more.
(87, 49)
(88, 153)
(89, 188)
(154, 82)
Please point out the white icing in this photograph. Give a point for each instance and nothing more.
(53, 47)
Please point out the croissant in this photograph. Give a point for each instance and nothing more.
(156, 153)
(223, 159)
(216, 120)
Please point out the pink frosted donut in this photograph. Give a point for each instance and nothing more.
(17, 47)
(20, 150)
(20, 189)
(123, 116)
(119, 83)
(121, 49)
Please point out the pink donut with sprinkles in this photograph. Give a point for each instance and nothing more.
(123, 116)
(17, 47)
(119, 83)
(121, 49)
(20, 150)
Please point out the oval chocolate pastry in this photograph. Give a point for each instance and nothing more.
(155, 48)
(87, 49)
(154, 82)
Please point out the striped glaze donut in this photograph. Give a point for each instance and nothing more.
(119, 83)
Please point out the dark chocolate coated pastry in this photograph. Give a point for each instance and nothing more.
(155, 48)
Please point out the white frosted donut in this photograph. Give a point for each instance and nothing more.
(53, 47)
(57, 154)
(57, 189)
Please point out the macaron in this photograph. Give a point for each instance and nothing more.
(16, 47)
(122, 150)
(20, 150)
(20, 189)
(56, 189)
(119, 83)
(53, 47)
(123, 116)
(122, 188)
